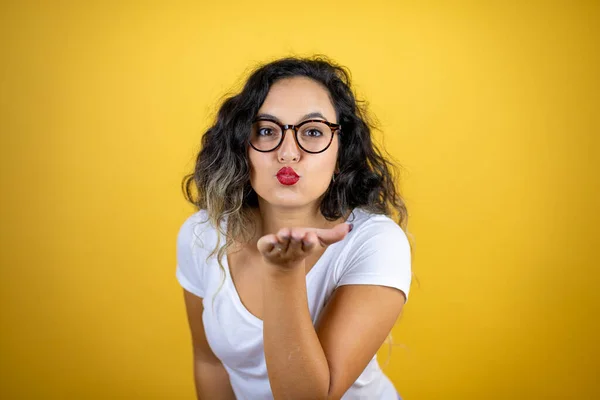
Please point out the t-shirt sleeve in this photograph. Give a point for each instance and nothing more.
(378, 255)
(189, 270)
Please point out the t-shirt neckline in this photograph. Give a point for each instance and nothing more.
(238, 300)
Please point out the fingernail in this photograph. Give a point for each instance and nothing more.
(351, 226)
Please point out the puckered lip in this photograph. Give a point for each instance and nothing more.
(287, 171)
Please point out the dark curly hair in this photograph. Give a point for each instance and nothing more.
(222, 172)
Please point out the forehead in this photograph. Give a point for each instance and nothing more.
(291, 98)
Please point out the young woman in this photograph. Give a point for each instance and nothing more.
(293, 270)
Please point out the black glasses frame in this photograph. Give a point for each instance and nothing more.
(284, 128)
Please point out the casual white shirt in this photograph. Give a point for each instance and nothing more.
(375, 252)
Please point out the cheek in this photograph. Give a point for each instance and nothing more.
(322, 169)
(257, 164)
(252, 163)
(329, 159)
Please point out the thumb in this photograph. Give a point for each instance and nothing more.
(333, 235)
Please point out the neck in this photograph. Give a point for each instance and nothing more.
(273, 218)
(270, 219)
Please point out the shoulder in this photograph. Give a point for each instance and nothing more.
(194, 241)
(196, 230)
(377, 252)
(377, 231)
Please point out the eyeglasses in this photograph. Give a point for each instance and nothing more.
(313, 135)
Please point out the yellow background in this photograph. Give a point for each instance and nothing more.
(491, 107)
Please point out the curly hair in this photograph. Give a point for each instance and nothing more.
(221, 176)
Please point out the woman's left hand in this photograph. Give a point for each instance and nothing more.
(290, 246)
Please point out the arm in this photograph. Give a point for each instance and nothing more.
(296, 364)
(353, 326)
(322, 363)
(211, 378)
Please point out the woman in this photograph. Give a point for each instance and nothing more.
(293, 271)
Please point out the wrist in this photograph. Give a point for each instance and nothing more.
(278, 271)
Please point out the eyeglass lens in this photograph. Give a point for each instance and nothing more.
(312, 136)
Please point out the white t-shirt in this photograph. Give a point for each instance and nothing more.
(375, 252)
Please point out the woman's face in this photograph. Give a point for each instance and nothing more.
(290, 100)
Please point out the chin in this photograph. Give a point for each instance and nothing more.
(289, 196)
(287, 200)
(283, 197)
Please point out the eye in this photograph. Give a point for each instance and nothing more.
(265, 132)
(313, 133)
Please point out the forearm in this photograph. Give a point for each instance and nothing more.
(212, 381)
(296, 363)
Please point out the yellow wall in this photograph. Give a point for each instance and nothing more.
(492, 108)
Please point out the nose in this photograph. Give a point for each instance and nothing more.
(289, 150)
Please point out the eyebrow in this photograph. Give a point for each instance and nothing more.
(307, 116)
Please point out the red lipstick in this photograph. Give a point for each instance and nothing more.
(287, 176)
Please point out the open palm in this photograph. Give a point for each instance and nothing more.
(292, 245)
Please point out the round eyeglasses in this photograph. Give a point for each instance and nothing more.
(313, 135)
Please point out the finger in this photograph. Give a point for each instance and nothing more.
(310, 241)
(267, 244)
(295, 246)
(333, 235)
(277, 253)
(283, 237)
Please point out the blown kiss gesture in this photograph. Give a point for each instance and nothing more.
(290, 246)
